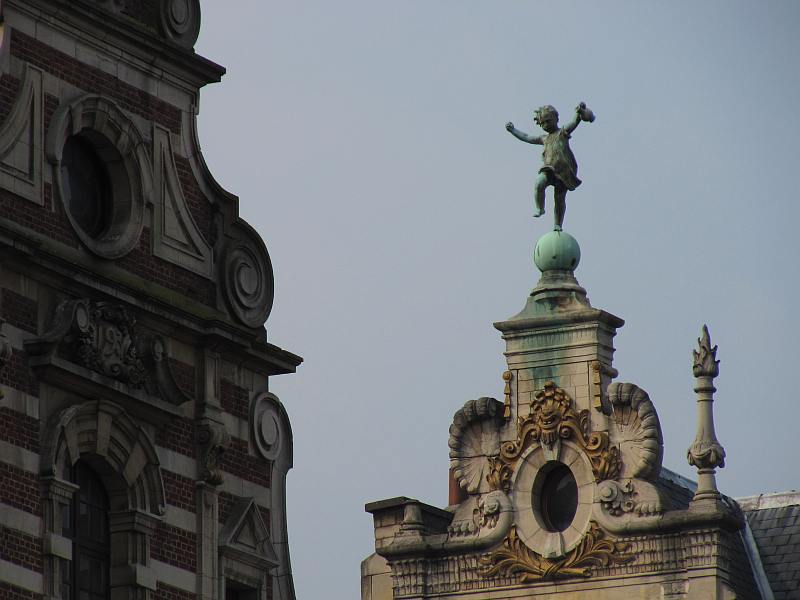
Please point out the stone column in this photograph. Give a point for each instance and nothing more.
(132, 578)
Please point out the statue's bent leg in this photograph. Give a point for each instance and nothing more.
(560, 206)
(541, 185)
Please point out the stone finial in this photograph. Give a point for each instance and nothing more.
(705, 358)
(705, 453)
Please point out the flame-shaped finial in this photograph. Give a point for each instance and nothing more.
(705, 358)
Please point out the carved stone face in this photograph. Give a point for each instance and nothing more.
(549, 410)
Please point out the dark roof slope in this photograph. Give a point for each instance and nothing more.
(775, 523)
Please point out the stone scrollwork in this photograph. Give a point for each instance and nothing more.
(515, 559)
(553, 418)
(248, 281)
(474, 436)
(621, 497)
(266, 425)
(212, 441)
(179, 21)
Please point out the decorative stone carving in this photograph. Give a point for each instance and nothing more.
(101, 124)
(212, 441)
(622, 497)
(176, 237)
(553, 418)
(474, 436)
(267, 426)
(515, 559)
(101, 338)
(179, 21)
(635, 429)
(247, 278)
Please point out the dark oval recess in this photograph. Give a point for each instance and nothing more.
(87, 186)
(558, 498)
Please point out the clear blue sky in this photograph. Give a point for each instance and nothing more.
(366, 142)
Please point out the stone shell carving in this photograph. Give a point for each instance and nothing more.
(635, 429)
(247, 278)
(179, 21)
(474, 436)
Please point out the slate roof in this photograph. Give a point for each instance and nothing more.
(775, 522)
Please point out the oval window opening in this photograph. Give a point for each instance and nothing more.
(87, 186)
(558, 498)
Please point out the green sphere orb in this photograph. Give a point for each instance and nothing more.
(557, 250)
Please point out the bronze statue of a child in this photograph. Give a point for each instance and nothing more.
(559, 169)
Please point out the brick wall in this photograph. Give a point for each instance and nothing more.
(17, 375)
(19, 429)
(9, 90)
(48, 220)
(12, 592)
(175, 546)
(234, 399)
(179, 490)
(94, 80)
(238, 462)
(24, 494)
(20, 311)
(199, 206)
(142, 262)
(167, 592)
(21, 549)
(177, 436)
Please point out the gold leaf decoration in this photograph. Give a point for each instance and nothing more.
(515, 559)
(553, 417)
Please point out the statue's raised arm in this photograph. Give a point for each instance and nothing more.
(559, 168)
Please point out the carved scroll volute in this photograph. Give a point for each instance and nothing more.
(635, 429)
(212, 441)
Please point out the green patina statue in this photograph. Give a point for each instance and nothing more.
(559, 169)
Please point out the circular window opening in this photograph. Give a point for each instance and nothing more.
(558, 498)
(87, 187)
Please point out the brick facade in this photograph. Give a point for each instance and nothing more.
(12, 592)
(237, 461)
(167, 592)
(19, 429)
(21, 549)
(234, 399)
(18, 375)
(175, 546)
(180, 490)
(24, 493)
(18, 310)
(177, 436)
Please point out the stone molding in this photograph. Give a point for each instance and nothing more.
(122, 147)
(21, 140)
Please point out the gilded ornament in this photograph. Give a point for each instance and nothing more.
(553, 418)
(514, 558)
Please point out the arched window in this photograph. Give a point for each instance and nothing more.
(88, 578)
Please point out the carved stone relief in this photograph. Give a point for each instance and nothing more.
(266, 426)
(212, 441)
(179, 21)
(474, 436)
(247, 277)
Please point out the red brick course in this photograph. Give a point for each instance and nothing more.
(234, 399)
(91, 79)
(20, 311)
(19, 429)
(179, 490)
(12, 592)
(17, 375)
(238, 462)
(177, 436)
(199, 206)
(142, 262)
(24, 494)
(21, 549)
(175, 546)
(167, 592)
(9, 90)
(48, 220)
